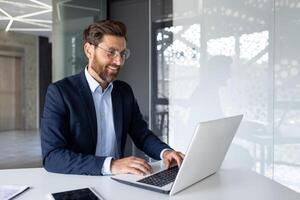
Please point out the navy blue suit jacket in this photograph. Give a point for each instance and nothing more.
(69, 126)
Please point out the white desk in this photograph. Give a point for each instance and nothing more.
(227, 184)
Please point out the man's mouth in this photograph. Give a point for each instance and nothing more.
(113, 68)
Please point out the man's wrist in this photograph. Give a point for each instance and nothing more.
(106, 166)
(163, 151)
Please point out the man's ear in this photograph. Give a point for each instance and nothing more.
(88, 50)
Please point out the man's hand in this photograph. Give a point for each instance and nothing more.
(132, 165)
(170, 156)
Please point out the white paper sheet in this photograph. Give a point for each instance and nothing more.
(7, 192)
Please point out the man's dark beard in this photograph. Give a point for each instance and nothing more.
(108, 78)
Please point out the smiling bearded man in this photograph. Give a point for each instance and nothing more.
(88, 116)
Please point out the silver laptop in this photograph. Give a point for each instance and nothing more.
(203, 158)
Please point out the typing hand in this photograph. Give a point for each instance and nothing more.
(131, 165)
(170, 156)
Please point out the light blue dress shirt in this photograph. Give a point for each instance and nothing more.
(106, 136)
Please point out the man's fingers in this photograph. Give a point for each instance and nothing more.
(167, 163)
(173, 157)
(146, 165)
(143, 168)
(136, 159)
(133, 170)
(142, 163)
(132, 165)
(178, 160)
(181, 155)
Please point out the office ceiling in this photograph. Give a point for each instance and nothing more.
(26, 16)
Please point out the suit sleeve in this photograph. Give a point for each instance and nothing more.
(142, 136)
(55, 140)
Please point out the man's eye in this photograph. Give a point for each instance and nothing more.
(123, 53)
(112, 52)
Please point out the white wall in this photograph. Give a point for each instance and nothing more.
(230, 57)
(134, 13)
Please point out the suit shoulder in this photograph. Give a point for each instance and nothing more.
(68, 81)
(122, 85)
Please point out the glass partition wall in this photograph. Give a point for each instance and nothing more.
(70, 18)
(212, 59)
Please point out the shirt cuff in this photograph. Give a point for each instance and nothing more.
(106, 166)
(162, 153)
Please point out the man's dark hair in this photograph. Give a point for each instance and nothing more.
(95, 32)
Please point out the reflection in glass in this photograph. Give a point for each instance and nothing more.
(220, 58)
(287, 94)
(70, 18)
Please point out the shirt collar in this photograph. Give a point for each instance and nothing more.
(93, 84)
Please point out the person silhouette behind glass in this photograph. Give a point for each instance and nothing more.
(205, 101)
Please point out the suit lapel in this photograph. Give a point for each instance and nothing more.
(117, 113)
(88, 101)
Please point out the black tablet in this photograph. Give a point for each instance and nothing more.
(79, 194)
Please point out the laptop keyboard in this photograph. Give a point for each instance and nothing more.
(162, 178)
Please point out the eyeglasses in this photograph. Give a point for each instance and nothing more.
(113, 53)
